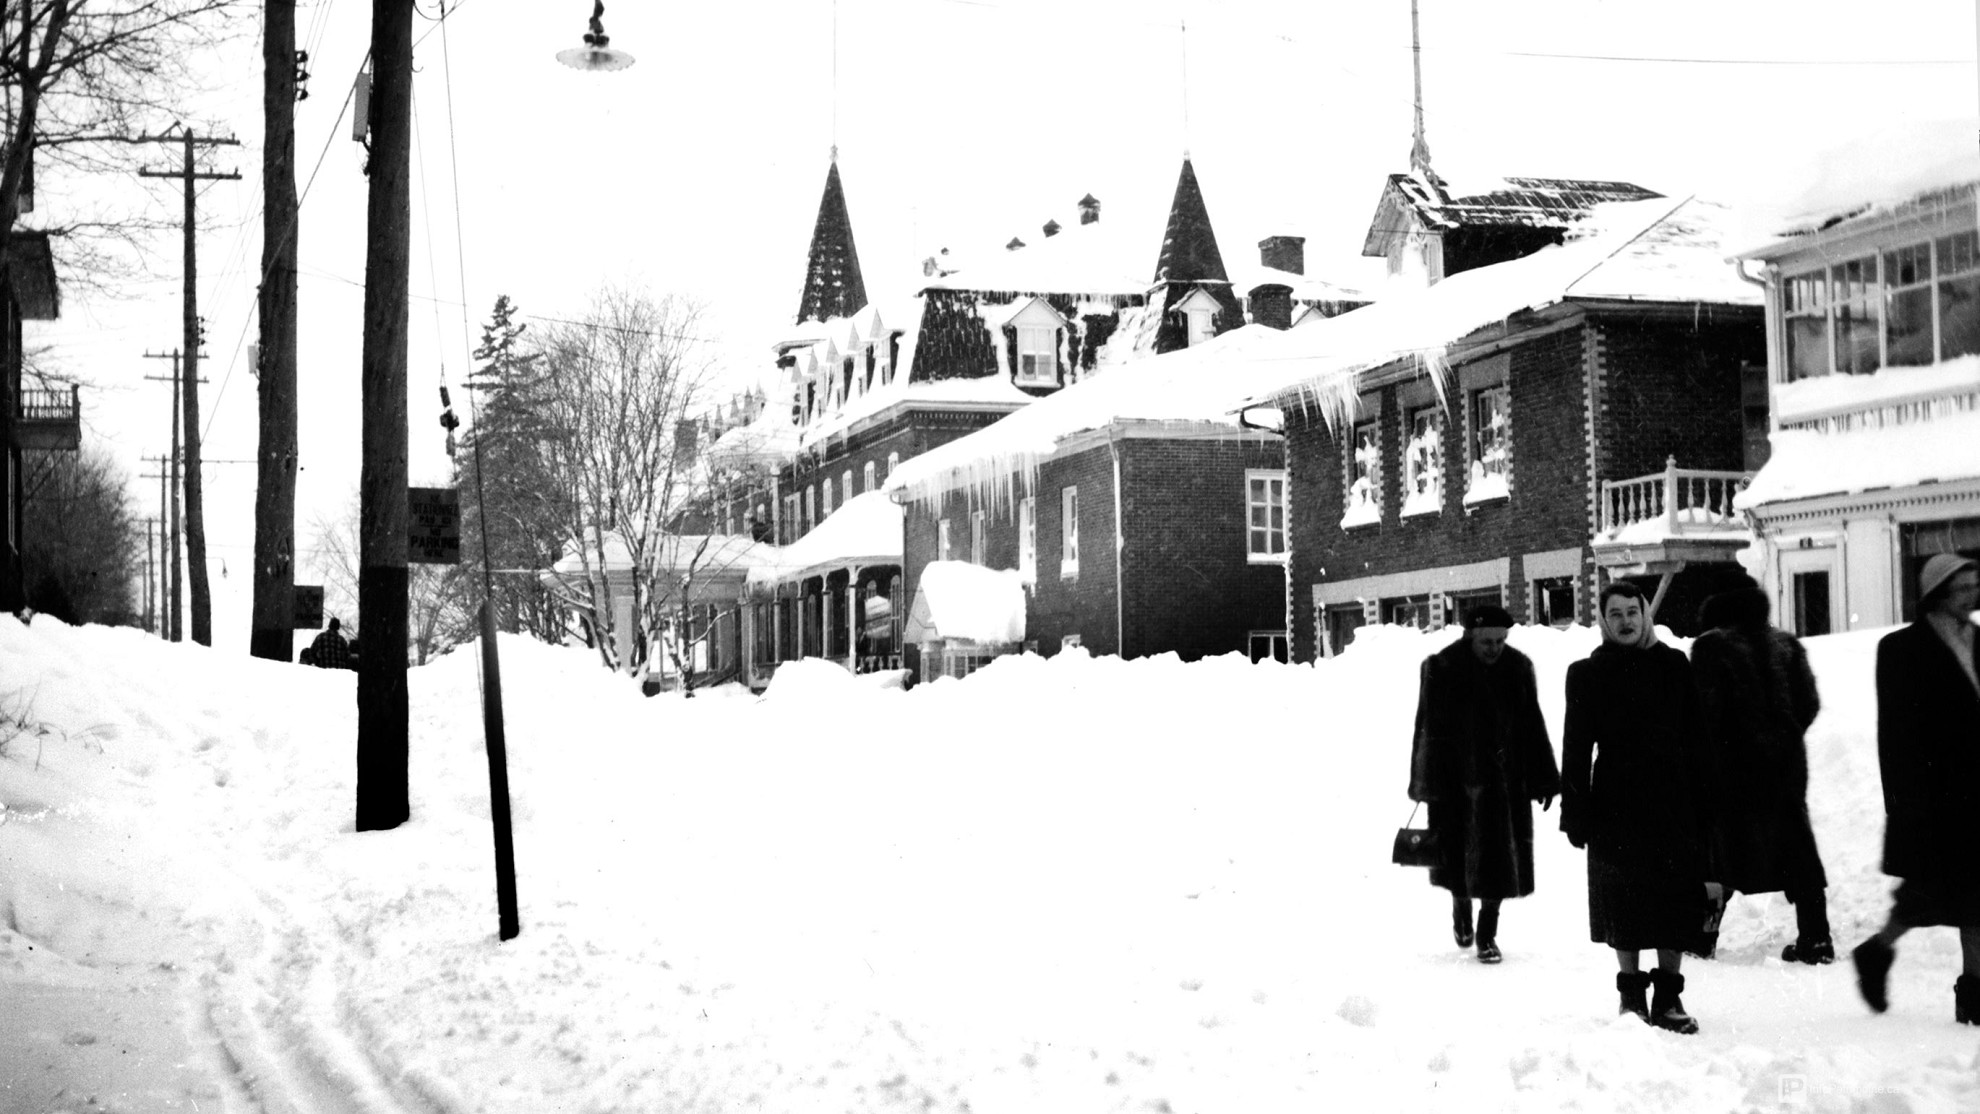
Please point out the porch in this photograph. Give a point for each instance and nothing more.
(1660, 524)
(48, 419)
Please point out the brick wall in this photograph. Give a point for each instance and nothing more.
(1667, 387)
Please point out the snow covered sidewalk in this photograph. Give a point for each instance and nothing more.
(1080, 885)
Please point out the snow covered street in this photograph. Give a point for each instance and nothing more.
(1078, 884)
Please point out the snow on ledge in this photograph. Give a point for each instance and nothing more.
(1807, 399)
(956, 599)
(1806, 463)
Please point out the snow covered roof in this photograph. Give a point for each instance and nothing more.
(1104, 257)
(866, 530)
(1246, 277)
(1644, 251)
(1186, 386)
(1907, 164)
(1524, 202)
(958, 600)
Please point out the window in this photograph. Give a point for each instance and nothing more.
(1202, 324)
(978, 552)
(1423, 462)
(1489, 471)
(1265, 511)
(1911, 305)
(942, 540)
(868, 476)
(1269, 644)
(1364, 475)
(824, 500)
(809, 497)
(893, 462)
(1340, 623)
(787, 529)
(845, 487)
(1037, 354)
(1069, 531)
(1028, 538)
(1553, 601)
(1811, 603)
(1408, 611)
(1462, 603)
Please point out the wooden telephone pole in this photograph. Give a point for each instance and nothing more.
(272, 631)
(384, 513)
(202, 596)
(171, 617)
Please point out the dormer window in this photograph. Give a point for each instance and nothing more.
(1034, 332)
(1038, 358)
(1199, 311)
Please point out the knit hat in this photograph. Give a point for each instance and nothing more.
(1940, 568)
(1487, 615)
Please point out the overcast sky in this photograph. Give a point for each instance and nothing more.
(959, 123)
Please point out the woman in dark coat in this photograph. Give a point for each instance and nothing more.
(1928, 748)
(1759, 698)
(1479, 755)
(1633, 794)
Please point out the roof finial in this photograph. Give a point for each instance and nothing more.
(1419, 147)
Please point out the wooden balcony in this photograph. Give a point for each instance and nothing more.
(49, 420)
(1660, 522)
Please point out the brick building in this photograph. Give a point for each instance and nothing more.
(861, 388)
(1522, 429)
(31, 419)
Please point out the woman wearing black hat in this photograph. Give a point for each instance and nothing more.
(1480, 754)
(1633, 792)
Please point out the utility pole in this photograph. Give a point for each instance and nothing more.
(202, 597)
(164, 619)
(168, 470)
(384, 515)
(272, 632)
(148, 524)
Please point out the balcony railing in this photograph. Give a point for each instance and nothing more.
(1673, 502)
(49, 419)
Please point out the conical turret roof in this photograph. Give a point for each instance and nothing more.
(1189, 247)
(832, 283)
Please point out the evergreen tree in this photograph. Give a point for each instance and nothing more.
(510, 498)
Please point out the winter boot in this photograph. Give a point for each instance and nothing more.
(1634, 986)
(1488, 951)
(1666, 1010)
(1810, 951)
(1461, 922)
(1873, 959)
(1966, 1000)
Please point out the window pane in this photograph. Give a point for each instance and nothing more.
(1856, 337)
(1959, 317)
(1959, 254)
(1908, 266)
(1807, 347)
(1910, 327)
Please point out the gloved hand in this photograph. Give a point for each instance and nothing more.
(1546, 801)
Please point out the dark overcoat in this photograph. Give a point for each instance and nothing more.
(1758, 696)
(1928, 747)
(1480, 756)
(1633, 789)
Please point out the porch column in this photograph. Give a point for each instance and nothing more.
(855, 622)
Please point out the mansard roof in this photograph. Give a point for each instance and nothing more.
(832, 283)
(1189, 247)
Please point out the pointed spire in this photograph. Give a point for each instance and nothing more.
(832, 283)
(1419, 147)
(1189, 248)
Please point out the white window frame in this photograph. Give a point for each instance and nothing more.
(1265, 541)
(824, 499)
(1487, 479)
(1028, 538)
(943, 538)
(1423, 480)
(1068, 532)
(978, 542)
(1271, 638)
(893, 462)
(1361, 474)
(868, 475)
(846, 487)
(1037, 355)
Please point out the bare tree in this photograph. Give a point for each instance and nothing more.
(622, 381)
(441, 598)
(80, 81)
(82, 539)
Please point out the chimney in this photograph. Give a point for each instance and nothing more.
(1051, 229)
(1272, 305)
(1089, 209)
(1014, 245)
(1285, 253)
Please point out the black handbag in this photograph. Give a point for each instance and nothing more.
(1416, 846)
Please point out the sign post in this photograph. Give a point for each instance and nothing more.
(433, 535)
